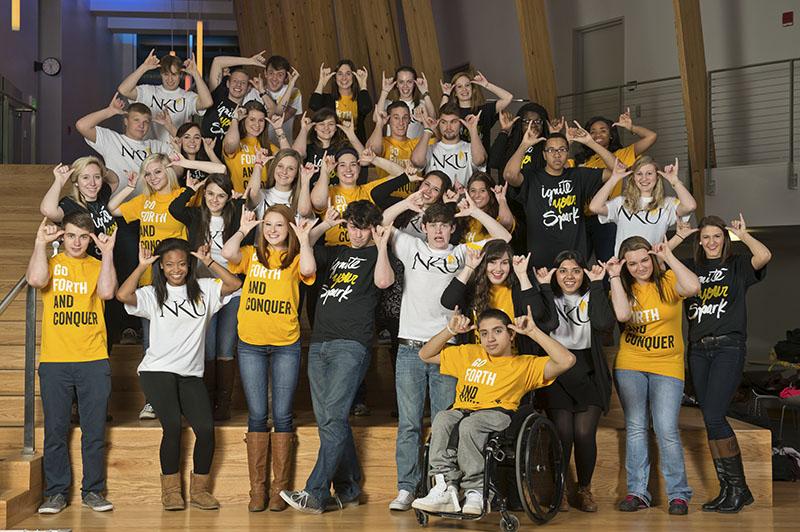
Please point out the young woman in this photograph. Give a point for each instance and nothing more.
(406, 87)
(348, 97)
(269, 338)
(212, 223)
(496, 278)
(471, 101)
(434, 188)
(643, 209)
(582, 315)
(717, 342)
(245, 137)
(320, 135)
(491, 199)
(288, 183)
(192, 146)
(510, 136)
(179, 307)
(649, 365)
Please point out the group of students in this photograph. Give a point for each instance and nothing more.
(483, 282)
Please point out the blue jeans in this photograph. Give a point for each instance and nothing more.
(664, 394)
(413, 378)
(221, 333)
(260, 364)
(716, 372)
(59, 383)
(335, 369)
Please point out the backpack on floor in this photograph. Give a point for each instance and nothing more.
(785, 464)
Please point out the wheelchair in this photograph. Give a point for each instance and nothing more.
(531, 450)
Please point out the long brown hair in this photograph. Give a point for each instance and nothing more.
(632, 194)
(292, 243)
(479, 287)
(282, 154)
(254, 105)
(712, 221)
(635, 243)
(477, 93)
(493, 207)
(228, 211)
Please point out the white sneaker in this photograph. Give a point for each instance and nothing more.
(147, 412)
(441, 498)
(402, 502)
(473, 503)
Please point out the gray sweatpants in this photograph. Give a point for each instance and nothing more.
(463, 466)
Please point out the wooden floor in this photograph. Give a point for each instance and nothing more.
(376, 517)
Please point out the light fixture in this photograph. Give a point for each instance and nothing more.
(15, 15)
(199, 54)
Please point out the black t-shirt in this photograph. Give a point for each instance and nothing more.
(487, 120)
(721, 308)
(554, 210)
(348, 296)
(103, 220)
(218, 117)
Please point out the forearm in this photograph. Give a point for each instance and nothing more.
(384, 274)
(524, 281)
(432, 349)
(392, 169)
(107, 280)
(304, 207)
(300, 144)
(419, 156)
(253, 190)
(688, 203)
(208, 167)
(761, 253)
(230, 282)
(307, 263)
(476, 148)
(319, 194)
(230, 142)
(561, 359)
(204, 98)
(127, 292)
(511, 172)
(231, 249)
(49, 206)
(619, 300)
(38, 272)
(686, 282)
(86, 125)
(118, 199)
(504, 97)
(609, 159)
(318, 231)
(598, 203)
(391, 213)
(128, 86)
(504, 215)
(354, 141)
(646, 136)
(375, 140)
(492, 226)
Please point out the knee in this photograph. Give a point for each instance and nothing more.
(204, 431)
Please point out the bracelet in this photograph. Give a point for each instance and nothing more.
(428, 130)
(261, 94)
(679, 236)
(424, 95)
(240, 231)
(613, 277)
(451, 331)
(211, 263)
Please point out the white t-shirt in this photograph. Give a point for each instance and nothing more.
(427, 273)
(414, 228)
(651, 225)
(272, 196)
(574, 330)
(181, 105)
(455, 160)
(216, 229)
(414, 128)
(122, 153)
(296, 101)
(178, 329)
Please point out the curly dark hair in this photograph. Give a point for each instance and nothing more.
(363, 214)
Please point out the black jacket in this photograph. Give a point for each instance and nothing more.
(190, 217)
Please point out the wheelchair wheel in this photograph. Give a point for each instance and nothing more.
(422, 518)
(509, 525)
(539, 468)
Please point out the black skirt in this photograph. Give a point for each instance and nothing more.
(575, 390)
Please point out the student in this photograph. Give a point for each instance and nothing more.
(228, 92)
(457, 158)
(481, 408)
(643, 209)
(717, 341)
(429, 266)
(286, 99)
(74, 354)
(470, 101)
(491, 199)
(338, 355)
(244, 139)
(288, 183)
(510, 135)
(320, 135)
(554, 197)
(269, 339)
(649, 365)
(179, 104)
(406, 87)
(193, 147)
(582, 315)
(212, 223)
(179, 307)
(348, 97)
(397, 146)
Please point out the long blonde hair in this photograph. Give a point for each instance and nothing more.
(632, 194)
(79, 166)
(172, 179)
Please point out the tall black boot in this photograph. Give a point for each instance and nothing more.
(712, 505)
(738, 495)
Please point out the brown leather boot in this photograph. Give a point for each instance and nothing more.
(199, 493)
(564, 506)
(282, 450)
(210, 380)
(257, 450)
(225, 371)
(586, 500)
(171, 496)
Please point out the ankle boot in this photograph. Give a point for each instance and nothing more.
(713, 504)
(171, 496)
(282, 450)
(199, 493)
(225, 371)
(564, 505)
(257, 450)
(210, 380)
(586, 499)
(737, 495)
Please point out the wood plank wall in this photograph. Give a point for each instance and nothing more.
(536, 53)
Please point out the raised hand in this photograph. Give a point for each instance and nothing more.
(263, 157)
(176, 158)
(381, 118)
(276, 121)
(624, 120)
(471, 121)
(381, 235)
(466, 207)
(544, 275)
(248, 221)
(162, 118)
(209, 144)
(459, 324)
(325, 74)
(131, 178)
(328, 163)
(387, 84)
(203, 254)
(520, 264)
(596, 273)
(105, 242)
(190, 66)
(305, 122)
(422, 83)
(302, 229)
(259, 60)
(62, 173)
(684, 229)
(524, 324)
(294, 75)
(193, 182)
(411, 171)
(450, 196)
(48, 233)
(421, 115)
(348, 128)
(151, 62)
(307, 172)
(480, 80)
(555, 126)
(670, 173)
(447, 88)
(507, 121)
(117, 105)
(578, 134)
(738, 227)
(661, 250)
(500, 192)
(367, 156)
(620, 171)
(530, 137)
(332, 215)
(257, 82)
(415, 201)
(240, 113)
(146, 257)
(361, 75)
(613, 266)
(473, 258)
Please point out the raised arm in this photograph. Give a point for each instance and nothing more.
(493, 227)
(222, 62)
(120, 197)
(308, 265)
(413, 202)
(325, 75)
(431, 351)
(477, 151)
(375, 140)
(204, 98)
(128, 86)
(504, 215)
(419, 156)
(230, 282)
(561, 359)
(231, 250)
(319, 194)
(384, 273)
(304, 207)
(276, 123)
(598, 203)
(38, 273)
(49, 205)
(687, 201)
(601, 316)
(332, 218)
(646, 137)
(87, 125)
(127, 292)
(512, 173)
(581, 136)
(422, 84)
(619, 299)
(231, 140)
(349, 130)
(300, 144)
(107, 280)
(761, 253)
(209, 167)
(503, 96)
(387, 84)
(687, 284)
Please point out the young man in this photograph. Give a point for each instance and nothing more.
(228, 92)
(178, 104)
(122, 152)
(554, 197)
(397, 147)
(74, 356)
(429, 266)
(338, 355)
(285, 96)
(485, 399)
(455, 157)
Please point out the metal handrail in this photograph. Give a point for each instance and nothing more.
(28, 441)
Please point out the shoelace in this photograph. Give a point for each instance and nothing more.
(301, 498)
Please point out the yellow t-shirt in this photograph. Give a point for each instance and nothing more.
(243, 161)
(397, 151)
(340, 198)
(626, 155)
(491, 382)
(476, 232)
(653, 339)
(268, 313)
(73, 326)
(346, 109)
(155, 221)
(500, 298)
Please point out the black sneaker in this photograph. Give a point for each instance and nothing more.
(301, 501)
(97, 502)
(335, 503)
(361, 410)
(53, 504)
(678, 507)
(632, 503)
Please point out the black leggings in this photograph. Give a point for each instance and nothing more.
(579, 428)
(171, 395)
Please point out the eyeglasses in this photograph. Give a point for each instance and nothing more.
(535, 121)
(551, 151)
